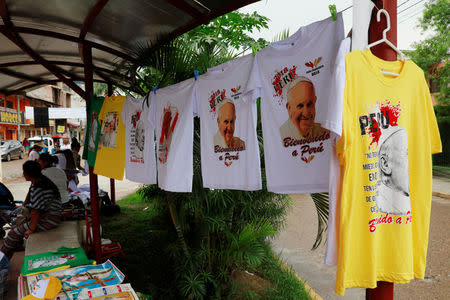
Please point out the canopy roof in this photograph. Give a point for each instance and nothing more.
(42, 40)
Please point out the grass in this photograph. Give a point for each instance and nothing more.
(443, 171)
(149, 269)
(138, 230)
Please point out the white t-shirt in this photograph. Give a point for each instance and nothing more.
(34, 155)
(140, 161)
(334, 112)
(58, 177)
(293, 78)
(171, 113)
(229, 146)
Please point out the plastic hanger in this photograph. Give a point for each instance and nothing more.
(385, 40)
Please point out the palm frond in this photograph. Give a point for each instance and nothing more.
(321, 201)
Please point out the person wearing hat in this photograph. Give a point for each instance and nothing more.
(44, 203)
(45, 289)
(34, 151)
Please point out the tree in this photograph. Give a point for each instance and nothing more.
(432, 54)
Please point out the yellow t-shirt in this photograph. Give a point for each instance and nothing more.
(389, 133)
(110, 160)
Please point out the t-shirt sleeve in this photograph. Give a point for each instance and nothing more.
(342, 144)
(101, 114)
(124, 112)
(254, 83)
(435, 138)
(333, 116)
(152, 110)
(194, 101)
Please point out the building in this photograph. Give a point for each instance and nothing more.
(14, 125)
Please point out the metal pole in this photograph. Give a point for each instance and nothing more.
(18, 118)
(93, 182)
(112, 183)
(384, 290)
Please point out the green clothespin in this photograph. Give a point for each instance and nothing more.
(333, 11)
(255, 49)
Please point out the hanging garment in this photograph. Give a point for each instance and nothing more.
(41, 117)
(93, 130)
(388, 136)
(171, 113)
(110, 160)
(293, 78)
(229, 146)
(140, 161)
(334, 111)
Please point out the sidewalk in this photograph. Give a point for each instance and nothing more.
(441, 187)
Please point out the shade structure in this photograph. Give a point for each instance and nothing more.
(38, 35)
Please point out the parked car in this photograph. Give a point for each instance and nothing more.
(11, 149)
(46, 140)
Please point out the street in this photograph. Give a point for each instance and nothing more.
(13, 168)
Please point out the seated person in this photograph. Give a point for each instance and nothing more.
(55, 174)
(45, 207)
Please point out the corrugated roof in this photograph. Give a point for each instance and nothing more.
(38, 35)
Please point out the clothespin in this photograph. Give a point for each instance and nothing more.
(333, 11)
(154, 89)
(254, 49)
(195, 74)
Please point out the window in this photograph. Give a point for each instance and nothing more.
(9, 104)
(55, 93)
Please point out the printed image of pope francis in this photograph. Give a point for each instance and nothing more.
(301, 107)
(226, 121)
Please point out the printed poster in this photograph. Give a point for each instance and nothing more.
(223, 109)
(137, 138)
(296, 95)
(386, 165)
(168, 125)
(108, 133)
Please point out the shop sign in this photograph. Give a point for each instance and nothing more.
(11, 117)
(60, 129)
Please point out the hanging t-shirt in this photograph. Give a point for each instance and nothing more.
(389, 133)
(171, 113)
(140, 161)
(335, 112)
(110, 160)
(229, 146)
(293, 78)
(93, 130)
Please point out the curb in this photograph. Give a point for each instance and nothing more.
(441, 195)
(310, 291)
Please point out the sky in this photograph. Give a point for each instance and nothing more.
(292, 14)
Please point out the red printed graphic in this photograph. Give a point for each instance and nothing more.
(374, 132)
(383, 115)
(235, 90)
(214, 100)
(281, 79)
(392, 110)
(314, 64)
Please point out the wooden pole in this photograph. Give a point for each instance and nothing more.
(384, 290)
(112, 183)
(93, 182)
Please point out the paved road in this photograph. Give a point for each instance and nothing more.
(13, 168)
(295, 241)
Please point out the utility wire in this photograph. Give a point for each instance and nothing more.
(410, 17)
(410, 7)
(403, 3)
